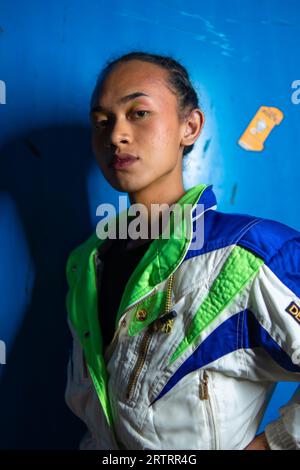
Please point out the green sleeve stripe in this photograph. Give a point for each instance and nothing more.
(237, 271)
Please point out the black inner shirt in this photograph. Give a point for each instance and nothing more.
(118, 265)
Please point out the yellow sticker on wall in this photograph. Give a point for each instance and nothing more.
(260, 127)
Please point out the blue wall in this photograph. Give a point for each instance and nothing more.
(240, 54)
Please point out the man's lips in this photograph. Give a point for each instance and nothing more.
(123, 160)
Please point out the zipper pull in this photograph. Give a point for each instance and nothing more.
(204, 387)
(167, 321)
(167, 327)
(167, 316)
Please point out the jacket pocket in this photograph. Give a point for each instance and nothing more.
(178, 419)
(207, 395)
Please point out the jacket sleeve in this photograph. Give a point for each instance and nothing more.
(275, 302)
(284, 433)
(78, 390)
(82, 399)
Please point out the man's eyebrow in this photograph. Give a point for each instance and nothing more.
(124, 99)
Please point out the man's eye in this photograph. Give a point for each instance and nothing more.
(100, 124)
(140, 111)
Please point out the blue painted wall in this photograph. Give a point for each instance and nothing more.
(240, 55)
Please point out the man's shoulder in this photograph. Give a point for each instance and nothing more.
(80, 255)
(261, 235)
(268, 237)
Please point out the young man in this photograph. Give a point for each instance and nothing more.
(200, 335)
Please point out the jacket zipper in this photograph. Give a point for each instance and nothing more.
(120, 320)
(146, 340)
(205, 395)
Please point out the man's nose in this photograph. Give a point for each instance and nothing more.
(120, 132)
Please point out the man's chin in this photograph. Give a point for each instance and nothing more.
(130, 185)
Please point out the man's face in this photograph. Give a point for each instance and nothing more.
(146, 126)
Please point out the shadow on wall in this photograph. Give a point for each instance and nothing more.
(44, 173)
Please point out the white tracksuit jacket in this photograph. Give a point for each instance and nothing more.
(206, 383)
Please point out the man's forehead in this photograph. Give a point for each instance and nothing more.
(126, 84)
(138, 70)
(134, 75)
(150, 88)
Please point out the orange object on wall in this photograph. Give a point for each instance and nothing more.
(260, 127)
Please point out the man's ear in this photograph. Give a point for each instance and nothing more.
(194, 123)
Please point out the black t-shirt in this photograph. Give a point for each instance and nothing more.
(118, 264)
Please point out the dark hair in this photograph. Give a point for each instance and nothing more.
(178, 80)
